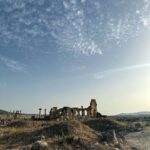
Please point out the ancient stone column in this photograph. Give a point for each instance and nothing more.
(93, 108)
(40, 112)
(88, 113)
(45, 112)
(83, 114)
(78, 112)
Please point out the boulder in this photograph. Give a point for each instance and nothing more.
(40, 145)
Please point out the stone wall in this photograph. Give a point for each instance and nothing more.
(75, 113)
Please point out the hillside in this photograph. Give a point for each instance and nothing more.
(3, 111)
(136, 114)
(66, 135)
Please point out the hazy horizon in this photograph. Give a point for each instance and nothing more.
(66, 52)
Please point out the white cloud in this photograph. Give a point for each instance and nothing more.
(101, 75)
(65, 4)
(75, 27)
(137, 12)
(12, 65)
(74, 69)
(83, 1)
(145, 21)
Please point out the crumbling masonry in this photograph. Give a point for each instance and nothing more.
(74, 113)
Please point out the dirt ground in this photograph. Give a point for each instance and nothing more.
(139, 140)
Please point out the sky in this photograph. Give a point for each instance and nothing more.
(66, 52)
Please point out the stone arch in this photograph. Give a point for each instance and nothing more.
(80, 113)
(85, 112)
(76, 113)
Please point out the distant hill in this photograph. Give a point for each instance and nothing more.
(142, 114)
(3, 111)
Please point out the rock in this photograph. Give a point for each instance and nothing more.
(118, 146)
(76, 138)
(26, 147)
(115, 137)
(106, 143)
(120, 140)
(40, 145)
(96, 144)
(42, 137)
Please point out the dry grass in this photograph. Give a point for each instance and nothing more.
(59, 135)
(105, 124)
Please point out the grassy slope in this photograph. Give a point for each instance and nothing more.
(60, 135)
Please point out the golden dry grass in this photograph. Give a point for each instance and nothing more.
(59, 135)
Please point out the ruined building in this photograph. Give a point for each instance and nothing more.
(72, 113)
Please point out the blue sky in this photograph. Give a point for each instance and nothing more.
(65, 52)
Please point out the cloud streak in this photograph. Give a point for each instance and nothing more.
(74, 69)
(101, 75)
(12, 65)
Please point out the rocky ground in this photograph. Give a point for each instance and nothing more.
(94, 134)
(139, 140)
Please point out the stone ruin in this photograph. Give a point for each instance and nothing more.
(14, 115)
(71, 113)
(6, 118)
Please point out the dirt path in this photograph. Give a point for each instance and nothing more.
(139, 140)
